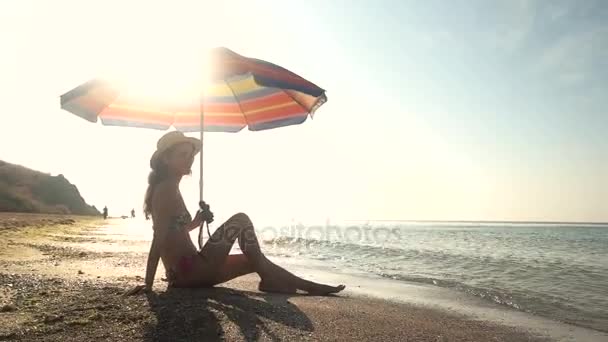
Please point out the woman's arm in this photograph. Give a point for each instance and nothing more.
(200, 218)
(163, 205)
(152, 265)
(196, 222)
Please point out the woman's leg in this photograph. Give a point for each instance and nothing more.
(274, 278)
(216, 250)
(236, 265)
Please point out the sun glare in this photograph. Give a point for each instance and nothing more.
(160, 76)
(163, 59)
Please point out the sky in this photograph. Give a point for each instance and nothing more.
(438, 110)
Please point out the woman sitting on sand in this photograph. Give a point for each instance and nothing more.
(187, 267)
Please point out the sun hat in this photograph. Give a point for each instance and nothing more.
(171, 139)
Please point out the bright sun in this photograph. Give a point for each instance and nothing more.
(165, 57)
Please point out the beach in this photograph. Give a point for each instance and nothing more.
(64, 278)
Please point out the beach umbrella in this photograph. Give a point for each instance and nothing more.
(240, 92)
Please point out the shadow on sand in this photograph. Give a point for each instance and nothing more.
(203, 314)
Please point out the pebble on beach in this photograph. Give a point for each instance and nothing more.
(8, 308)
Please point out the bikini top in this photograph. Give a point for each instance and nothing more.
(180, 221)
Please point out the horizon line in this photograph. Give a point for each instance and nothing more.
(483, 221)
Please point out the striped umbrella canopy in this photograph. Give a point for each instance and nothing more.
(242, 92)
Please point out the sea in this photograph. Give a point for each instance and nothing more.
(554, 270)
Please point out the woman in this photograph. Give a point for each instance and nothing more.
(186, 267)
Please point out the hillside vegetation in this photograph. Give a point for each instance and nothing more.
(30, 191)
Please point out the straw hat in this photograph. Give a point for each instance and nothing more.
(171, 139)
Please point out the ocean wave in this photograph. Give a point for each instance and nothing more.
(545, 283)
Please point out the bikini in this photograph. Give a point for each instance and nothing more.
(185, 264)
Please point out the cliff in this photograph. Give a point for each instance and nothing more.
(26, 190)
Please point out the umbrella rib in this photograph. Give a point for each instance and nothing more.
(294, 100)
(106, 105)
(318, 103)
(103, 107)
(238, 102)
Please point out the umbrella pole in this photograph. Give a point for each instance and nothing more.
(202, 121)
(201, 203)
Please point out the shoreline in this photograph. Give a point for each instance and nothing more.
(66, 283)
(449, 301)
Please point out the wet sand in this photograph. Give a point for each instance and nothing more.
(62, 279)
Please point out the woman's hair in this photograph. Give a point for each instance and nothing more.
(159, 172)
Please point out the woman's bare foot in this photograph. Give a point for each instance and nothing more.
(324, 290)
(268, 286)
(277, 279)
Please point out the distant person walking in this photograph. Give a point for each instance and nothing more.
(132, 213)
(105, 212)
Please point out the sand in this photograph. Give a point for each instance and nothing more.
(55, 287)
